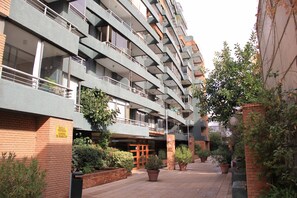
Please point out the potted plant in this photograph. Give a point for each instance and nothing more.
(183, 156)
(203, 155)
(153, 164)
(222, 156)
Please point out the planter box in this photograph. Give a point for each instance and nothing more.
(103, 177)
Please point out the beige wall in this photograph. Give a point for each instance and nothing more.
(277, 33)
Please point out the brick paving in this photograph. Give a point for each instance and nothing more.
(201, 180)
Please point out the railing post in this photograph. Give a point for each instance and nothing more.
(45, 10)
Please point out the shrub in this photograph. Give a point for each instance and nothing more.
(162, 154)
(215, 140)
(203, 153)
(87, 158)
(20, 178)
(222, 155)
(277, 192)
(122, 159)
(183, 154)
(197, 149)
(153, 163)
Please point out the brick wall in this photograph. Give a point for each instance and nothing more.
(4, 7)
(54, 155)
(170, 138)
(17, 133)
(191, 145)
(103, 177)
(30, 135)
(2, 43)
(255, 184)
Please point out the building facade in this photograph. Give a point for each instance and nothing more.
(277, 35)
(136, 51)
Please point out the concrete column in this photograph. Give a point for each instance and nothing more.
(37, 63)
(170, 138)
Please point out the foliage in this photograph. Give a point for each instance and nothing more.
(277, 192)
(222, 155)
(153, 163)
(20, 178)
(197, 148)
(87, 158)
(215, 140)
(95, 108)
(162, 154)
(121, 159)
(273, 137)
(183, 154)
(82, 141)
(104, 138)
(234, 81)
(203, 153)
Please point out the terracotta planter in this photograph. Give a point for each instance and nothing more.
(203, 159)
(182, 166)
(153, 175)
(224, 168)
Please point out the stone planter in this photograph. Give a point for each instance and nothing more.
(153, 175)
(103, 177)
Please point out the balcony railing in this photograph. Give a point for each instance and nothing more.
(123, 86)
(132, 122)
(53, 15)
(77, 12)
(126, 25)
(29, 80)
(79, 60)
(124, 53)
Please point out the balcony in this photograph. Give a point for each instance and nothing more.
(29, 80)
(121, 51)
(124, 86)
(126, 25)
(54, 16)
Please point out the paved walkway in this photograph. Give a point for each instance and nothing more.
(201, 180)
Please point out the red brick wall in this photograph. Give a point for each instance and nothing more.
(30, 135)
(170, 138)
(4, 7)
(191, 145)
(54, 155)
(103, 177)
(17, 133)
(255, 184)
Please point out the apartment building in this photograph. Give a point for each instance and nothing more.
(277, 35)
(136, 51)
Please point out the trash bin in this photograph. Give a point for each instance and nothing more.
(76, 185)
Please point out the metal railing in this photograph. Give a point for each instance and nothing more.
(77, 12)
(132, 122)
(124, 53)
(124, 86)
(79, 60)
(77, 108)
(29, 80)
(53, 15)
(126, 25)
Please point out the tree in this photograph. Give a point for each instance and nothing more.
(234, 81)
(95, 108)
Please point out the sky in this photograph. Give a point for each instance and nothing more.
(213, 22)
